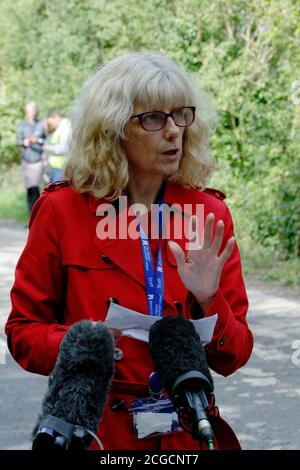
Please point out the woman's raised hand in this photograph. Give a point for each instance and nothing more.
(201, 269)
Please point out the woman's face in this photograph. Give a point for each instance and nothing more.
(156, 153)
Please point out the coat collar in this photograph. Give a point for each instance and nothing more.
(174, 194)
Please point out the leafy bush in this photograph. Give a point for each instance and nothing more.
(9, 155)
(245, 53)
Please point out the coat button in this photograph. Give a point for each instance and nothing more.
(118, 354)
(117, 404)
(222, 341)
(106, 259)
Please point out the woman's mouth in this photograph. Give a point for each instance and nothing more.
(171, 153)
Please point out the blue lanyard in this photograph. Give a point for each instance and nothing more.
(154, 280)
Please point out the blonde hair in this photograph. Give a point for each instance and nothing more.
(98, 163)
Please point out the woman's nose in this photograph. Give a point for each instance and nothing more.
(171, 129)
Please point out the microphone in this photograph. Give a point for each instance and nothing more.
(78, 389)
(180, 361)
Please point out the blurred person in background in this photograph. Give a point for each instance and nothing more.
(30, 139)
(57, 145)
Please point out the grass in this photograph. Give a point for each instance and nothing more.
(263, 264)
(12, 195)
(258, 262)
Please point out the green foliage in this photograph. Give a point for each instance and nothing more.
(245, 52)
(9, 154)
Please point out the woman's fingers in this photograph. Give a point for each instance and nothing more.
(208, 230)
(192, 229)
(178, 254)
(226, 253)
(116, 333)
(208, 241)
(213, 244)
(216, 245)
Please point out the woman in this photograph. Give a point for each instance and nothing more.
(30, 139)
(136, 133)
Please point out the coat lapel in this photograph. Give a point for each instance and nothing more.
(124, 253)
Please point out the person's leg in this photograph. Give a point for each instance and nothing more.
(32, 175)
(33, 194)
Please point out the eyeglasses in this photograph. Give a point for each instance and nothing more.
(155, 120)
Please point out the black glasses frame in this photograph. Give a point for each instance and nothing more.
(141, 115)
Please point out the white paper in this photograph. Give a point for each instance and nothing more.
(137, 325)
(205, 327)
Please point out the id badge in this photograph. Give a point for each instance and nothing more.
(153, 417)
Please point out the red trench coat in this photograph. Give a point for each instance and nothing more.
(66, 274)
